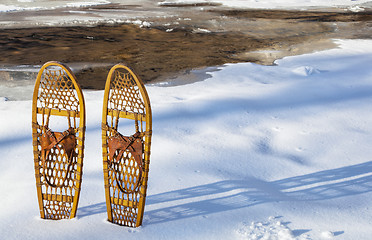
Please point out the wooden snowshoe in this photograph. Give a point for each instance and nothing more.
(126, 157)
(58, 129)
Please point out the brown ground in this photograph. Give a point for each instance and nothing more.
(156, 54)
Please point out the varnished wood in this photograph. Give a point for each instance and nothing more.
(125, 97)
(58, 94)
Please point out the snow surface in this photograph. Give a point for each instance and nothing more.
(22, 5)
(143, 12)
(26, 5)
(251, 152)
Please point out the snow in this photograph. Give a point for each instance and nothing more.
(78, 13)
(250, 152)
(23, 5)
(27, 5)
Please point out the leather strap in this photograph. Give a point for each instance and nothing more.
(122, 143)
(49, 140)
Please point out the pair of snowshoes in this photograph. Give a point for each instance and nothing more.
(58, 131)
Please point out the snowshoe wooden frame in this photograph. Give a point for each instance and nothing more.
(125, 179)
(57, 96)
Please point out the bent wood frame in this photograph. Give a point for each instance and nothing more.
(55, 195)
(145, 118)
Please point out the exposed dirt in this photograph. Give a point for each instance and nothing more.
(157, 52)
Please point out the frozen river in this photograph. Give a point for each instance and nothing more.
(24, 13)
(200, 16)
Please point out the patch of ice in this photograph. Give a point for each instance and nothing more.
(140, 23)
(355, 9)
(145, 24)
(160, 84)
(201, 30)
(137, 22)
(77, 12)
(166, 3)
(9, 8)
(86, 4)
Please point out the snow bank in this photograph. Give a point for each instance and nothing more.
(265, 152)
(28, 5)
